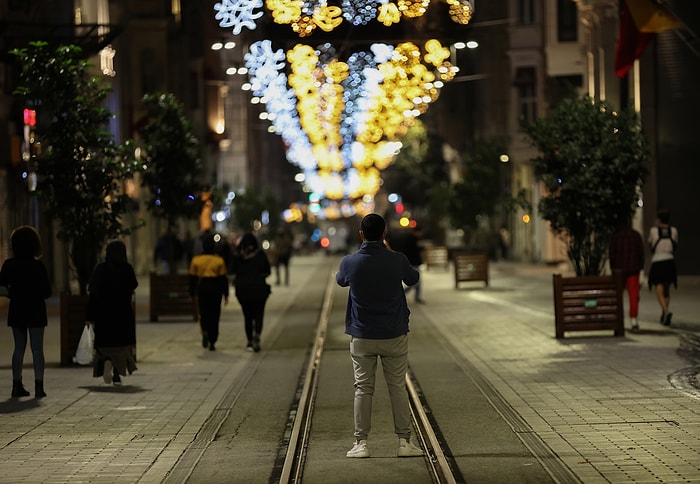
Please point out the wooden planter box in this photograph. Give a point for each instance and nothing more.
(437, 256)
(471, 267)
(588, 304)
(73, 309)
(170, 296)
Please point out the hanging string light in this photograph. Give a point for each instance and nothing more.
(304, 16)
(342, 120)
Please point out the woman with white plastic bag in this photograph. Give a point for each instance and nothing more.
(111, 312)
(85, 353)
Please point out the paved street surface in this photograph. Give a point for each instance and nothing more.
(591, 407)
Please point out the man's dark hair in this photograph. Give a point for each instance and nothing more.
(373, 227)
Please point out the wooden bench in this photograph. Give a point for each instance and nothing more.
(471, 267)
(588, 304)
(436, 256)
(170, 296)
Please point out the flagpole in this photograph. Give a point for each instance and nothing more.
(623, 81)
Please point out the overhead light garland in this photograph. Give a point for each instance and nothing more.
(304, 16)
(342, 120)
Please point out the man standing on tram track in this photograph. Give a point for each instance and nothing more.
(376, 318)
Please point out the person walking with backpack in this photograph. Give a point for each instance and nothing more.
(663, 239)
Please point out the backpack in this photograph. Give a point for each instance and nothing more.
(664, 233)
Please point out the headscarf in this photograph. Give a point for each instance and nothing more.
(115, 252)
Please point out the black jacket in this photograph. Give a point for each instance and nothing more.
(29, 287)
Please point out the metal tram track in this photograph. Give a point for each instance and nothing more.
(439, 466)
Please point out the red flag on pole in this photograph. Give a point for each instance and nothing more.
(630, 42)
(639, 21)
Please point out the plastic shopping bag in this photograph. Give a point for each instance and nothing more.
(84, 353)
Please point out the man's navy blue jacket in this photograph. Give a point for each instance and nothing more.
(377, 306)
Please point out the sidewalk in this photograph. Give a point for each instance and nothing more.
(605, 409)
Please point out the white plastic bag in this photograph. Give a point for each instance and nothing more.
(84, 353)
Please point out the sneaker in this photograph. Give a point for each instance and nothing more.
(359, 450)
(107, 372)
(212, 347)
(116, 379)
(407, 449)
(256, 345)
(249, 346)
(205, 340)
(667, 319)
(635, 324)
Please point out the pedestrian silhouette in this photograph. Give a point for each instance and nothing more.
(111, 311)
(28, 287)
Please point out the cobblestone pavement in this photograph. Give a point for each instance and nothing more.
(612, 409)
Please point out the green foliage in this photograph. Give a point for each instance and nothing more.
(592, 166)
(81, 169)
(418, 174)
(249, 206)
(173, 164)
(478, 193)
(419, 166)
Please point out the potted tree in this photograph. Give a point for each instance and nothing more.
(80, 167)
(592, 166)
(172, 173)
(473, 203)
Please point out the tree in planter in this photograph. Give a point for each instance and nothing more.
(249, 206)
(419, 174)
(173, 164)
(80, 168)
(592, 166)
(479, 194)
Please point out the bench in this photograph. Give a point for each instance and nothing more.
(437, 256)
(170, 296)
(471, 267)
(588, 303)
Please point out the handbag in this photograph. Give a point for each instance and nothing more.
(85, 352)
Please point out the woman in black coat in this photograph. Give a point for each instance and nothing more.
(250, 268)
(28, 288)
(111, 310)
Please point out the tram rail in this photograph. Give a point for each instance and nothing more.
(437, 463)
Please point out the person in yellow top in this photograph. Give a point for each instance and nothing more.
(208, 283)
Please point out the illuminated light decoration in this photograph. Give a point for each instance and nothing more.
(305, 15)
(461, 11)
(342, 121)
(238, 14)
(411, 8)
(328, 17)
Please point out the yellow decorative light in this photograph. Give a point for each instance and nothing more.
(305, 16)
(389, 14)
(328, 17)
